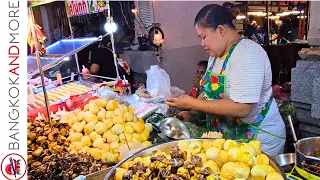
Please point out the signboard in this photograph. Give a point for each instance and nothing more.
(80, 7)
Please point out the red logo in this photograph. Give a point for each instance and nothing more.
(13, 166)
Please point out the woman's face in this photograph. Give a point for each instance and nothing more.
(212, 40)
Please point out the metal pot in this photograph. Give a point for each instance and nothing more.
(307, 152)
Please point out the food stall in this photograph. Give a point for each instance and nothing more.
(95, 133)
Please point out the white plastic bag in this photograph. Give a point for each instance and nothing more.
(158, 82)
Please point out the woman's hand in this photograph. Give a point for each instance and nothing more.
(183, 102)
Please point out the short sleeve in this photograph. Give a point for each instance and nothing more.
(247, 73)
(96, 56)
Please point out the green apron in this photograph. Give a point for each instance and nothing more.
(214, 88)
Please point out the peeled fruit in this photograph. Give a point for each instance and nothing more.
(123, 139)
(105, 147)
(91, 118)
(136, 137)
(222, 158)
(148, 127)
(146, 144)
(100, 127)
(128, 116)
(94, 135)
(93, 108)
(195, 147)
(261, 171)
(80, 116)
(118, 120)
(96, 153)
(183, 144)
(85, 150)
(109, 115)
(117, 129)
(119, 111)
(206, 143)
(112, 138)
(256, 145)
(109, 158)
(75, 146)
(114, 147)
(144, 135)
(212, 153)
(106, 134)
(109, 123)
(86, 107)
(128, 129)
(88, 128)
(233, 153)
(274, 176)
(85, 141)
(233, 170)
(263, 159)
(112, 105)
(131, 110)
(98, 142)
(246, 147)
(102, 103)
(212, 165)
(218, 143)
(203, 157)
(138, 127)
(229, 144)
(76, 137)
(102, 114)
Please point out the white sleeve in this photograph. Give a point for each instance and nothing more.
(247, 74)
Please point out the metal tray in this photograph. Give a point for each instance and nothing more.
(166, 147)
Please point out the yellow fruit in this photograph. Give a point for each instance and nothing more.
(233, 154)
(98, 143)
(195, 147)
(183, 145)
(109, 115)
(229, 144)
(148, 127)
(212, 153)
(123, 139)
(108, 122)
(212, 165)
(136, 137)
(85, 150)
(76, 137)
(206, 143)
(102, 103)
(222, 158)
(146, 144)
(128, 129)
(263, 159)
(105, 147)
(256, 145)
(118, 120)
(86, 107)
(76, 146)
(203, 157)
(145, 135)
(114, 147)
(80, 116)
(109, 158)
(88, 128)
(117, 129)
(85, 141)
(128, 116)
(96, 153)
(138, 127)
(112, 138)
(94, 135)
(100, 127)
(112, 105)
(102, 114)
(93, 108)
(218, 143)
(131, 110)
(91, 118)
(118, 112)
(106, 134)
(274, 176)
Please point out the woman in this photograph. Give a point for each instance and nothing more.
(237, 83)
(196, 90)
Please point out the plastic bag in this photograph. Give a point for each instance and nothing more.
(158, 82)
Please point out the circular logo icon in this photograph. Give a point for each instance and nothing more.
(13, 166)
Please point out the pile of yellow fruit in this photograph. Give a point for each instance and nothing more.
(99, 128)
(232, 160)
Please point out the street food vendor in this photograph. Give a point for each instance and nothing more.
(237, 93)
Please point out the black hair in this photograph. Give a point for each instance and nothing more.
(203, 63)
(212, 15)
(105, 40)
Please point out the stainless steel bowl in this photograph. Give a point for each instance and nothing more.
(166, 147)
(174, 128)
(285, 159)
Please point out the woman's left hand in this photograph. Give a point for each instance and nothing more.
(183, 102)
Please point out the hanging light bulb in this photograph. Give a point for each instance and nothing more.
(110, 27)
(134, 11)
